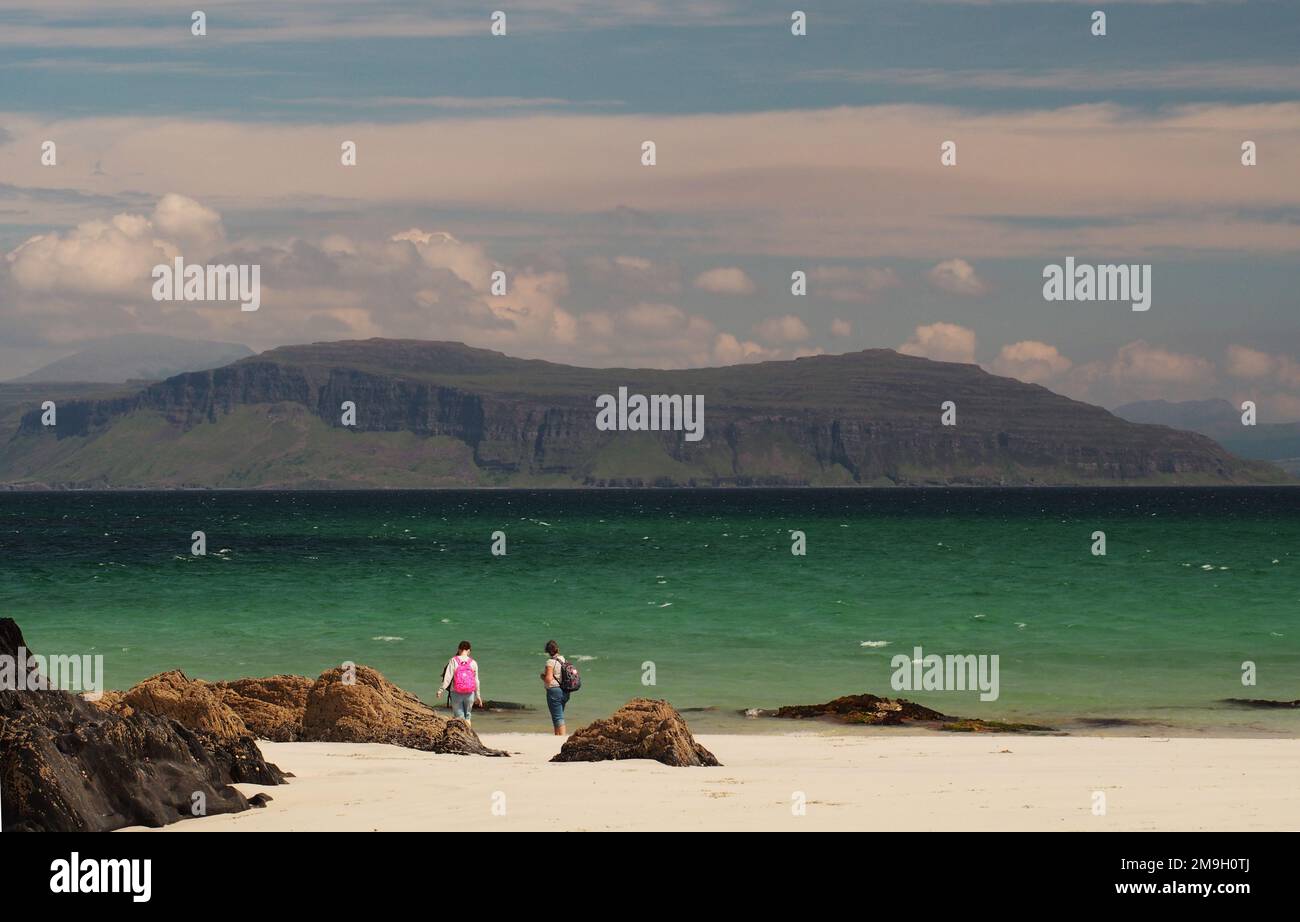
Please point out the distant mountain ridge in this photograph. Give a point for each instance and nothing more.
(1221, 421)
(137, 356)
(433, 414)
(1193, 415)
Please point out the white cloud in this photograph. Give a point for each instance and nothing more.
(958, 277)
(1031, 361)
(197, 227)
(1141, 371)
(441, 250)
(727, 280)
(943, 342)
(1142, 363)
(841, 327)
(1244, 362)
(728, 350)
(96, 257)
(1252, 364)
(784, 329)
(95, 280)
(655, 318)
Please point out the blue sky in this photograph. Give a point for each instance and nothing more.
(776, 153)
(855, 53)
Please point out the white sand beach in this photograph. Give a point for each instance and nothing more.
(903, 782)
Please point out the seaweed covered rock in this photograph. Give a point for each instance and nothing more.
(863, 709)
(1263, 703)
(893, 712)
(111, 701)
(641, 729)
(271, 707)
(341, 706)
(490, 705)
(361, 706)
(192, 702)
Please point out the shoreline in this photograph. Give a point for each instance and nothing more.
(1121, 728)
(912, 782)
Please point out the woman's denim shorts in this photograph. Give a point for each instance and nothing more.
(461, 705)
(556, 699)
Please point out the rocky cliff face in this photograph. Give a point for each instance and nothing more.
(863, 418)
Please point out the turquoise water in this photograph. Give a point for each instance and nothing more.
(700, 583)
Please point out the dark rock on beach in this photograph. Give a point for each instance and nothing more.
(1261, 703)
(67, 764)
(1114, 723)
(240, 760)
(640, 729)
(372, 709)
(892, 712)
(139, 757)
(862, 709)
(490, 705)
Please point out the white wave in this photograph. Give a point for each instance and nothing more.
(386, 638)
(874, 643)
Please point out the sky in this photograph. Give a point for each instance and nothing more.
(775, 153)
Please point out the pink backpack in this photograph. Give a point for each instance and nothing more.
(463, 681)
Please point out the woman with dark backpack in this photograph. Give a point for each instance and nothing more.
(461, 677)
(559, 678)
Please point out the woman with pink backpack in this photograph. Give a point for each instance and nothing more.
(461, 677)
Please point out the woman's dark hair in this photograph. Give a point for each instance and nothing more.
(552, 647)
(464, 645)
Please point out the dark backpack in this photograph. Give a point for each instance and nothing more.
(569, 679)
